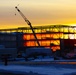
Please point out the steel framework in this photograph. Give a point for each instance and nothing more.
(46, 35)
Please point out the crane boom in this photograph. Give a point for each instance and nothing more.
(29, 23)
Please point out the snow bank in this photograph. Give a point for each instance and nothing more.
(41, 70)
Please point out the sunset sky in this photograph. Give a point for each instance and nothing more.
(39, 12)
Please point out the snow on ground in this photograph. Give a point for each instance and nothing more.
(42, 69)
(38, 70)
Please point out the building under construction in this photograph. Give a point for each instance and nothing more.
(56, 37)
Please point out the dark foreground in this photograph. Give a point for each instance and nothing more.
(3, 72)
(38, 68)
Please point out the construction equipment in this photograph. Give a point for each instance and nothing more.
(29, 23)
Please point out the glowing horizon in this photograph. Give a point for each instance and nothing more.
(38, 12)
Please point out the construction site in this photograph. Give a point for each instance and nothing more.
(47, 36)
(60, 39)
(37, 37)
(56, 37)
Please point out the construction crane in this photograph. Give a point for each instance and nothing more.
(29, 23)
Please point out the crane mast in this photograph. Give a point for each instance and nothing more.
(29, 23)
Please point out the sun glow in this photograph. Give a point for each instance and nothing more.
(71, 36)
(73, 24)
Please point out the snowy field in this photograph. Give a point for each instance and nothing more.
(40, 66)
(47, 69)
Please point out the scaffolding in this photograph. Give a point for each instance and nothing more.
(48, 36)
